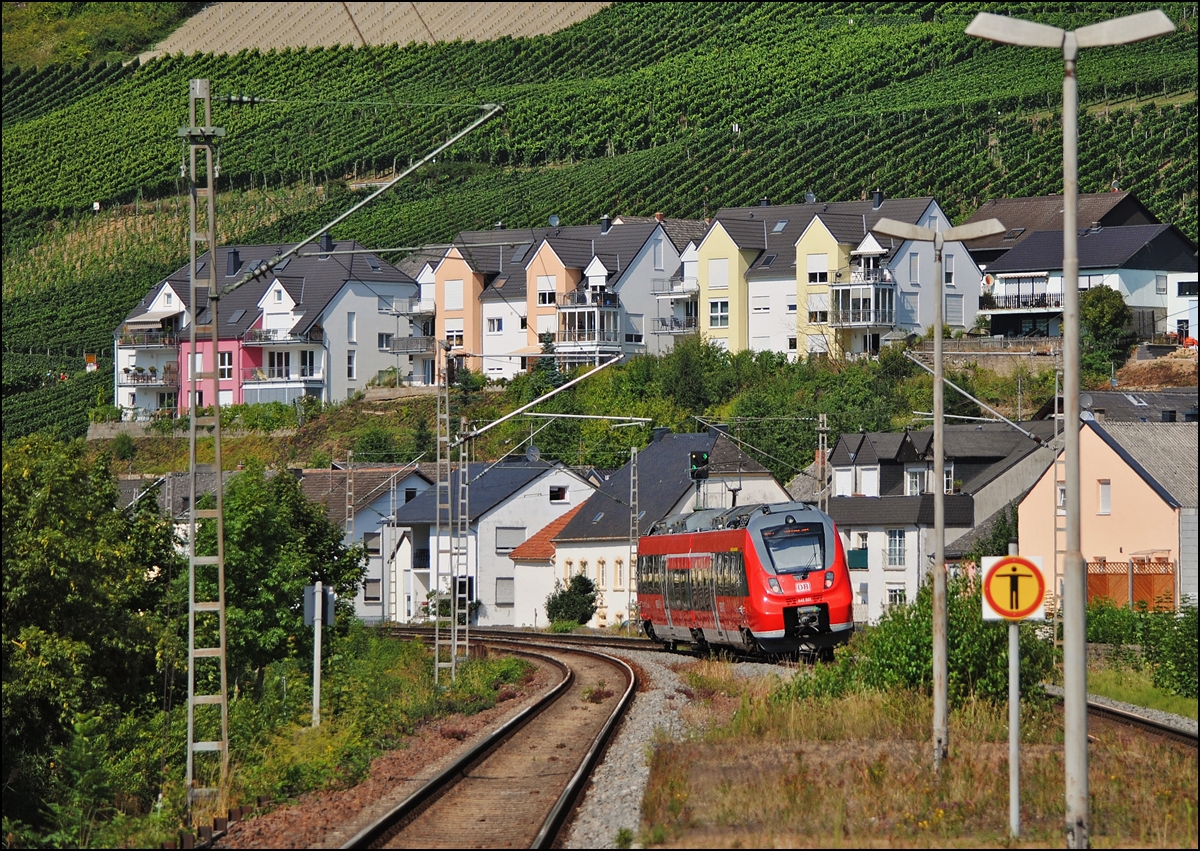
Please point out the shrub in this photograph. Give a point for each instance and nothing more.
(576, 602)
(123, 447)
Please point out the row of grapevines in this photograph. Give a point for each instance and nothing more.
(38, 91)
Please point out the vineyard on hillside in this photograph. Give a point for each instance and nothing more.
(679, 108)
(31, 92)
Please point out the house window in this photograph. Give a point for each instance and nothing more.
(914, 482)
(197, 363)
(508, 538)
(524, 323)
(308, 363)
(583, 567)
(779, 226)
(567, 569)
(350, 365)
(351, 327)
(410, 494)
(168, 297)
(896, 595)
(1186, 288)
(636, 327)
(948, 270)
(546, 290)
(895, 551)
(658, 254)
(791, 344)
(862, 540)
(914, 269)
(454, 333)
(1060, 502)
(954, 310)
(279, 365)
(454, 295)
(791, 307)
(372, 590)
(718, 273)
(278, 295)
(385, 341)
(760, 304)
(495, 324)
(818, 308)
(601, 574)
(718, 314)
(506, 594)
(843, 481)
(818, 268)
(1160, 284)
(948, 475)
(224, 365)
(559, 493)
(1105, 497)
(909, 309)
(618, 574)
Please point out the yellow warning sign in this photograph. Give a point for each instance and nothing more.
(1013, 589)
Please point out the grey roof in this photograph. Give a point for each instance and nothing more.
(1163, 454)
(171, 491)
(312, 283)
(662, 481)
(679, 231)
(1158, 247)
(847, 220)
(900, 510)
(1045, 212)
(327, 486)
(964, 543)
(490, 486)
(1132, 406)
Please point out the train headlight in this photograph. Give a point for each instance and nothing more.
(829, 579)
(774, 583)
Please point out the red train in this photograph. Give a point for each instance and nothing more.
(757, 578)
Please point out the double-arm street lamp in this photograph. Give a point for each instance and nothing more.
(1074, 592)
(903, 230)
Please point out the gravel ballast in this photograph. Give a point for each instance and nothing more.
(1179, 722)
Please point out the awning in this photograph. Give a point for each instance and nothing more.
(150, 321)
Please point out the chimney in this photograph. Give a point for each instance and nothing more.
(659, 434)
(876, 199)
(658, 217)
(235, 262)
(764, 201)
(605, 223)
(326, 242)
(715, 430)
(810, 197)
(498, 226)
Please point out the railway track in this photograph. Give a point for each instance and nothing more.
(517, 787)
(1139, 722)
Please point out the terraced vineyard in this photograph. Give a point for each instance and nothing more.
(682, 108)
(31, 92)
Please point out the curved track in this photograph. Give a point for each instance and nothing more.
(1148, 725)
(517, 787)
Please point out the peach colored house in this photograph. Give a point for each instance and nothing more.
(459, 280)
(548, 279)
(1137, 506)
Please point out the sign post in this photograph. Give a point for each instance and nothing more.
(318, 609)
(1014, 590)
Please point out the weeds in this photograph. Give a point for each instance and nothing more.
(597, 693)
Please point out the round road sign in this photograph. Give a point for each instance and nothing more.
(1014, 587)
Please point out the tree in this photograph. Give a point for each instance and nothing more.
(1104, 319)
(576, 602)
(83, 583)
(376, 445)
(276, 542)
(423, 439)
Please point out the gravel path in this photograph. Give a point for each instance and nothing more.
(613, 799)
(1177, 721)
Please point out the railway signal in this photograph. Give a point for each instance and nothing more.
(699, 465)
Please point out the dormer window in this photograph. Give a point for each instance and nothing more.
(278, 296)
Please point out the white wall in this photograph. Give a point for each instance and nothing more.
(499, 360)
(770, 330)
(363, 300)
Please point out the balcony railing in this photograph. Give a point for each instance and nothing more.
(276, 336)
(675, 325)
(148, 339)
(164, 378)
(868, 276)
(587, 298)
(265, 374)
(420, 560)
(870, 317)
(410, 306)
(413, 345)
(587, 336)
(1025, 301)
(674, 286)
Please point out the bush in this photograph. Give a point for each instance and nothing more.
(576, 602)
(1167, 639)
(563, 627)
(123, 447)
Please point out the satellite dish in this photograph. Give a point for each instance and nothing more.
(1085, 400)
(532, 453)
(554, 220)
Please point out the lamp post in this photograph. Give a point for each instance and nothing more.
(903, 230)
(1074, 592)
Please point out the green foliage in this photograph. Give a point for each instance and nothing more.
(563, 627)
(123, 447)
(1167, 639)
(320, 459)
(898, 652)
(376, 445)
(574, 603)
(995, 543)
(1104, 324)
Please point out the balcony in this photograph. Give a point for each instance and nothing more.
(277, 375)
(868, 276)
(133, 377)
(675, 287)
(410, 306)
(148, 339)
(414, 345)
(867, 318)
(588, 336)
(1024, 301)
(279, 336)
(675, 325)
(587, 298)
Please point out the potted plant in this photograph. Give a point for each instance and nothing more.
(153, 371)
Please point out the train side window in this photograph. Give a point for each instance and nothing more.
(723, 574)
(739, 568)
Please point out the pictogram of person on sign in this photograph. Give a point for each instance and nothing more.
(1014, 588)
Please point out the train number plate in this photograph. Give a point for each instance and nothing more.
(803, 587)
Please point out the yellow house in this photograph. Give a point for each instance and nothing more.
(725, 255)
(822, 258)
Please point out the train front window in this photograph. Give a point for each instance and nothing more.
(796, 548)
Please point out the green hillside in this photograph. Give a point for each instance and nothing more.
(631, 111)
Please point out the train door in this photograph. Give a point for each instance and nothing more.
(678, 596)
(704, 598)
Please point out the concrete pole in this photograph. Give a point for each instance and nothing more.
(1014, 721)
(941, 703)
(318, 615)
(1074, 601)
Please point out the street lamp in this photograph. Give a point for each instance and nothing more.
(904, 230)
(1074, 592)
